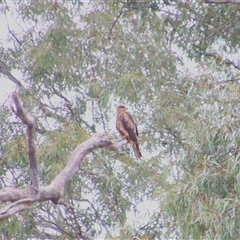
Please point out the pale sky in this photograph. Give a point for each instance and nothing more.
(6, 86)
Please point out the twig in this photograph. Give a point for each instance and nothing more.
(97, 215)
(224, 27)
(114, 23)
(116, 20)
(236, 80)
(11, 32)
(68, 105)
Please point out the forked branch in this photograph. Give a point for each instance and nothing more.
(22, 199)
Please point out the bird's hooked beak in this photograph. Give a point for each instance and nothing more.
(120, 106)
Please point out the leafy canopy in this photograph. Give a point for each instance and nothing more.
(174, 63)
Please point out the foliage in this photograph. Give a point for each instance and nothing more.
(174, 63)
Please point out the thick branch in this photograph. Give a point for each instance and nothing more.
(28, 119)
(56, 189)
(22, 198)
(76, 158)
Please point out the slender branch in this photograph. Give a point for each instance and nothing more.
(10, 76)
(77, 119)
(41, 105)
(11, 32)
(60, 95)
(5, 209)
(97, 215)
(22, 198)
(116, 20)
(114, 23)
(230, 62)
(236, 80)
(225, 27)
(226, 60)
(66, 205)
(28, 119)
(19, 207)
(222, 1)
(68, 105)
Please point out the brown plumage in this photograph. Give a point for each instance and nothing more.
(128, 129)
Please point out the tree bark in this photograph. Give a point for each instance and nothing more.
(23, 198)
(28, 119)
(222, 1)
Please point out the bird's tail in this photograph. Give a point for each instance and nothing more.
(136, 150)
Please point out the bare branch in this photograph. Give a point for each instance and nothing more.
(117, 145)
(42, 106)
(15, 37)
(230, 62)
(222, 1)
(56, 189)
(66, 205)
(116, 20)
(114, 23)
(28, 119)
(10, 76)
(22, 198)
(236, 80)
(21, 112)
(12, 209)
(77, 119)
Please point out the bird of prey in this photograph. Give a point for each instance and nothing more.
(128, 129)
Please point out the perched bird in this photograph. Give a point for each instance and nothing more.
(128, 128)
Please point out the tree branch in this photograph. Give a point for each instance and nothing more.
(116, 20)
(22, 198)
(28, 119)
(114, 23)
(225, 27)
(10, 76)
(225, 60)
(41, 105)
(222, 1)
(55, 190)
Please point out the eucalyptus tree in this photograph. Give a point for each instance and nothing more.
(174, 63)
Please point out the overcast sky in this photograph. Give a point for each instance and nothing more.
(6, 86)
